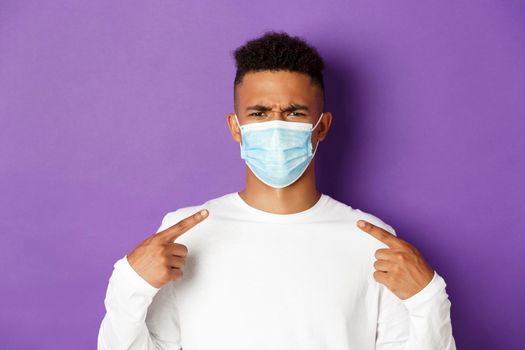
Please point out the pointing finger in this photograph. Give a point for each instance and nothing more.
(379, 233)
(172, 232)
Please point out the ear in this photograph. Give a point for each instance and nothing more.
(233, 127)
(323, 127)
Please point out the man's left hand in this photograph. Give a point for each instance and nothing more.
(401, 267)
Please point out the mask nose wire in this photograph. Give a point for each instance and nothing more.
(316, 124)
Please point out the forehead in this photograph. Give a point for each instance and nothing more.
(276, 87)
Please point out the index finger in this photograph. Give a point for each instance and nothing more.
(381, 234)
(174, 231)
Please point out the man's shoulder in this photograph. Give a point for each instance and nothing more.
(174, 216)
(348, 213)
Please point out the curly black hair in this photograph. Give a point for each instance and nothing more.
(279, 51)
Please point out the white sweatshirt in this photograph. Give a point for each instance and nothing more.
(258, 280)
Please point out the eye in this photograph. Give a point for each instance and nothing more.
(297, 114)
(256, 114)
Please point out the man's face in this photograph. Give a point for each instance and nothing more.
(279, 95)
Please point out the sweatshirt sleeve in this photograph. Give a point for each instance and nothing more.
(421, 322)
(138, 315)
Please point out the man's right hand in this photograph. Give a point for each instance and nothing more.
(158, 259)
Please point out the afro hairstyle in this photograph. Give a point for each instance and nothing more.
(279, 51)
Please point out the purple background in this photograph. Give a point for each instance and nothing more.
(112, 113)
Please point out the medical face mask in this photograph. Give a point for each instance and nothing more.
(277, 152)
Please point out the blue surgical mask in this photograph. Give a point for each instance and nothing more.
(277, 152)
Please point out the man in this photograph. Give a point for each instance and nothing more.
(278, 265)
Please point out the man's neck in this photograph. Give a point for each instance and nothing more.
(299, 196)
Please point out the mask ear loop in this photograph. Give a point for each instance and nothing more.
(317, 145)
(320, 117)
(240, 129)
(237, 120)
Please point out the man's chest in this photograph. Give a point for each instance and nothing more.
(272, 270)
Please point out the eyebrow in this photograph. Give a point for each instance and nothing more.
(290, 108)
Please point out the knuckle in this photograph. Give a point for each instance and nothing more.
(391, 279)
(181, 225)
(161, 257)
(163, 260)
(182, 250)
(178, 261)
